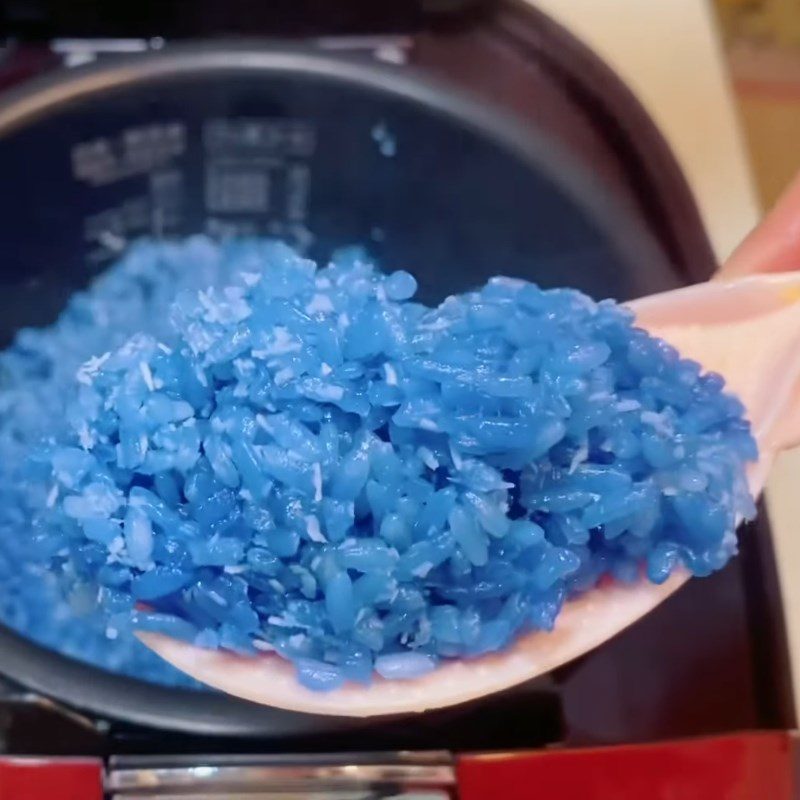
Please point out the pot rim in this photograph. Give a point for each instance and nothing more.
(131, 700)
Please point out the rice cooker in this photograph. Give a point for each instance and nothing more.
(470, 137)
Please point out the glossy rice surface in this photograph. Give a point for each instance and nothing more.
(230, 445)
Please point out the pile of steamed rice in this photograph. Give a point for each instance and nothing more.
(229, 445)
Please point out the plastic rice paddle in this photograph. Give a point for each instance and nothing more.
(749, 332)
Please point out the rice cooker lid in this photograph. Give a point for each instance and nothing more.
(180, 19)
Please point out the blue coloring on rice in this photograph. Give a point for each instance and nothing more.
(37, 376)
(265, 456)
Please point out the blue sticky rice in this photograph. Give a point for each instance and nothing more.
(226, 444)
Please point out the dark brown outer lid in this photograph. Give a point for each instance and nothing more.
(521, 59)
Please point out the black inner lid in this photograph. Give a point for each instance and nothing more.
(178, 19)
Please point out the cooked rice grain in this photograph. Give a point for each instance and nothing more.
(261, 455)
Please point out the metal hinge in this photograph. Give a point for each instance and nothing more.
(393, 49)
(406, 776)
(75, 52)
